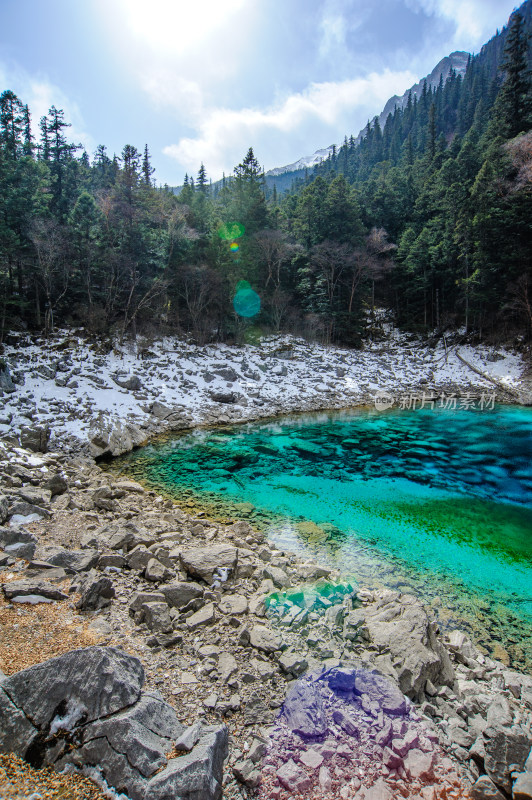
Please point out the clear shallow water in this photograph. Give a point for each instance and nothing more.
(435, 502)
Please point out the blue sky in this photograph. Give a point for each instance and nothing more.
(202, 80)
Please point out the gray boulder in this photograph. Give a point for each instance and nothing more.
(35, 587)
(381, 691)
(227, 373)
(294, 778)
(18, 542)
(101, 680)
(131, 744)
(104, 499)
(23, 511)
(256, 711)
(117, 537)
(96, 593)
(202, 562)
(17, 734)
(156, 616)
(304, 711)
(522, 788)
(341, 680)
(399, 624)
(157, 572)
(139, 558)
(160, 411)
(6, 384)
(86, 709)
(506, 751)
(34, 495)
(4, 508)
(379, 791)
(223, 397)
(264, 639)
(114, 439)
(246, 772)
(175, 418)
(485, 789)
(139, 598)
(180, 593)
(293, 663)
(205, 616)
(35, 438)
(346, 721)
(196, 775)
(133, 382)
(71, 560)
(189, 737)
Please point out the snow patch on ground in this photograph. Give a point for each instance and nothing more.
(70, 384)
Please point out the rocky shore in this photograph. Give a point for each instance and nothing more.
(272, 677)
(118, 396)
(187, 658)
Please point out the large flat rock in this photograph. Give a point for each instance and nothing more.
(201, 562)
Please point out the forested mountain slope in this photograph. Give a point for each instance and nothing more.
(283, 177)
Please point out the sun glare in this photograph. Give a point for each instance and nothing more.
(179, 24)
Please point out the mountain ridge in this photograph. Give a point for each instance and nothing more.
(457, 60)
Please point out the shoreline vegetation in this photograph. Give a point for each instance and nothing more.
(426, 216)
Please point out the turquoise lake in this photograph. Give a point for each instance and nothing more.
(433, 502)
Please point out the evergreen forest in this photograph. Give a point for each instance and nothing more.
(429, 216)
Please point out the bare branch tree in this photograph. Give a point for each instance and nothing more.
(53, 274)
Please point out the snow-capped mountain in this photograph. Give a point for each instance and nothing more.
(306, 161)
(457, 61)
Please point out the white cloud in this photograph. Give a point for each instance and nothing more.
(40, 94)
(333, 33)
(224, 134)
(475, 20)
(340, 20)
(170, 91)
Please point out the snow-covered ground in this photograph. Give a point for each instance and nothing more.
(69, 383)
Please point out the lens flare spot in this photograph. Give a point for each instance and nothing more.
(231, 230)
(246, 302)
(241, 285)
(233, 247)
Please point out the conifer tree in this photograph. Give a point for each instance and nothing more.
(147, 170)
(11, 123)
(28, 139)
(201, 182)
(513, 107)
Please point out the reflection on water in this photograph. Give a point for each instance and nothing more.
(435, 502)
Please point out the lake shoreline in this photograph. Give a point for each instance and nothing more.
(105, 402)
(217, 652)
(228, 658)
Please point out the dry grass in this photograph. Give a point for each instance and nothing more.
(19, 781)
(31, 634)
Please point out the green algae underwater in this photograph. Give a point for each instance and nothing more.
(437, 503)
